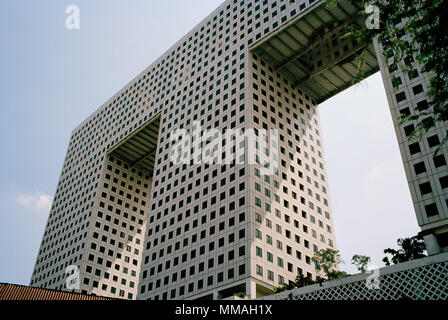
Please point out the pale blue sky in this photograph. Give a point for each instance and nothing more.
(51, 79)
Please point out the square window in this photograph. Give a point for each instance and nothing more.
(409, 129)
(396, 82)
(413, 74)
(422, 105)
(405, 112)
(433, 141)
(425, 188)
(431, 210)
(417, 89)
(419, 168)
(400, 97)
(241, 269)
(444, 182)
(414, 148)
(439, 161)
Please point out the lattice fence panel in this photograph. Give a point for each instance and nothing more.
(429, 282)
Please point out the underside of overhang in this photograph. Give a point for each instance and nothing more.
(314, 53)
(139, 149)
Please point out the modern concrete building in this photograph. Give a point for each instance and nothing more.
(139, 225)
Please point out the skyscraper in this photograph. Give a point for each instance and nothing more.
(142, 213)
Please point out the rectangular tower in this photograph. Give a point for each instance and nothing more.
(426, 170)
(137, 224)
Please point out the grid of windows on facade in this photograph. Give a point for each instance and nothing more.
(177, 254)
(292, 210)
(116, 244)
(425, 168)
(203, 78)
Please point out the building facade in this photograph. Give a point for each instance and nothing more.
(426, 170)
(138, 225)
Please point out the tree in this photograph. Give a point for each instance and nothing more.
(361, 262)
(300, 282)
(412, 32)
(326, 261)
(336, 274)
(410, 249)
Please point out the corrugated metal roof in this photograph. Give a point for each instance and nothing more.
(313, 53)
(21, 293)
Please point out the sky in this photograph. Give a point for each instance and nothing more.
(52, 78)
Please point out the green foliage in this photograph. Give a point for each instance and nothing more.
(361, 262)
(301, 281)
(241, 295)
(410, 249)
(336, 274)
(412, 33)
(326, 261)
